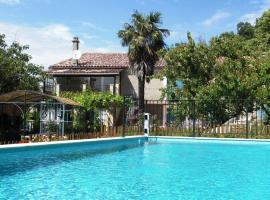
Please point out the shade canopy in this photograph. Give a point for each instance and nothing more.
(25, 96)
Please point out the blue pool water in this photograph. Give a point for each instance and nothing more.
(133, 169)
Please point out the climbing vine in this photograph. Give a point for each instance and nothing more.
(90, 100)
(87, 118)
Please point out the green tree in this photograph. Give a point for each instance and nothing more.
(16, 70)
(193, 64)
(220, 76)
(245, 29)
(262, 91)
(227, 76)
(144, 39)
(260, 42)
(260, 45)
(233, 88)
(262, 23)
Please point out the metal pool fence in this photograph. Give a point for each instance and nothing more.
(239, 118)
(105, 132)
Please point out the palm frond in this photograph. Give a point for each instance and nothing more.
(144, 39)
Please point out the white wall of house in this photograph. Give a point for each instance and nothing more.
(153, 89)
(130, 86)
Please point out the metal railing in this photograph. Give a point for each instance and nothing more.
(104, 132)
(79, 87)
(212, 118)
(200, 118)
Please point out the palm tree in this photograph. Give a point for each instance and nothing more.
(144, 39)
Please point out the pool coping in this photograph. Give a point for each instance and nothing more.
(8, 146)
(212, 138)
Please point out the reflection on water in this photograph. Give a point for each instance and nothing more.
(21, 160)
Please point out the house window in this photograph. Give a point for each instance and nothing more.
(102, 84)
(96, 83)
(71, 83)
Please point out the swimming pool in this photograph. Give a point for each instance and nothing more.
(135, 168)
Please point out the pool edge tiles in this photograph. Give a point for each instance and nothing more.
(97, 140)
(127, 138)
(208, 139)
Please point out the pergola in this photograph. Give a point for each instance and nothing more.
(25, 99)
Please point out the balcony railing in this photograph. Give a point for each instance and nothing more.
(79, 87)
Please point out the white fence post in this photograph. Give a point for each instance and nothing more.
(146, 124)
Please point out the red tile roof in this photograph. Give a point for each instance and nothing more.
(84, 71)
(101, 62)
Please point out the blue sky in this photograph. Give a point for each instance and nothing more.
(49, 25)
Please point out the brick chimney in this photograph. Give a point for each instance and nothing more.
(76, 52)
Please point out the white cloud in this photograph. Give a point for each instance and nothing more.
(107, 47)
(251, 17)
(10, 2)
(48, 44)
(89, 24)
(218, 16)
(177, 35)
(94, 26)
(89, 36)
